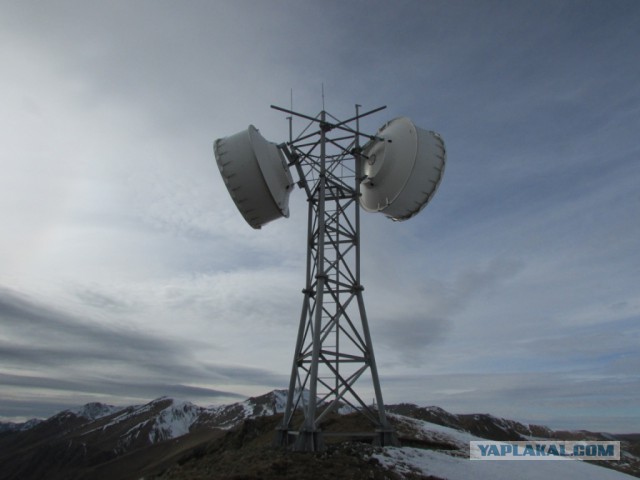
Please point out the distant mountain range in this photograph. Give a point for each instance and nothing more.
(174, 439)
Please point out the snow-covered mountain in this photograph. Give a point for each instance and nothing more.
(18, 427)
(103, 441)
(97, 433)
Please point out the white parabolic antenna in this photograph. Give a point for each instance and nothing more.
(256, 175)
(403, 168)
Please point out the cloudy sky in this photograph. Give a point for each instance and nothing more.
(126, 272)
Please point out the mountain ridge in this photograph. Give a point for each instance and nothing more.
(123, 442)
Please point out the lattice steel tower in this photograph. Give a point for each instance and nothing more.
(333, 348)
(396, 172)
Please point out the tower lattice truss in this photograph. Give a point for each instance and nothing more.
(334, 362)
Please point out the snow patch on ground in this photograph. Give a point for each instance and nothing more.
(456, 465)
(346, 410)
(94, 411)
(430, 462)
(174, 421)
(128, 413)
(248, 408)
(437, 433)
(280, 400)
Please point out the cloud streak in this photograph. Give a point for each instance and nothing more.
(71, 354)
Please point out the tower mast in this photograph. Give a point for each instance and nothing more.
(333, 350)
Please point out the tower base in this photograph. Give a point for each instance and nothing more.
(302, 441)
(386, 438)
(313, 441)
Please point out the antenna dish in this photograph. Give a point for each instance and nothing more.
(256, 175)
(402, 169)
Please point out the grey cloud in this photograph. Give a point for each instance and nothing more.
(557, 399)
(60, 338)
(41, 408)
(50, 329)
(255, 376)
(585, 347)
(408, 336)
(39, 382)
(114, 387)
(103, 301)
(409, 331)
(189, 50)
(70, 394)
(74, 356)
(473, 282)
(607, 344)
